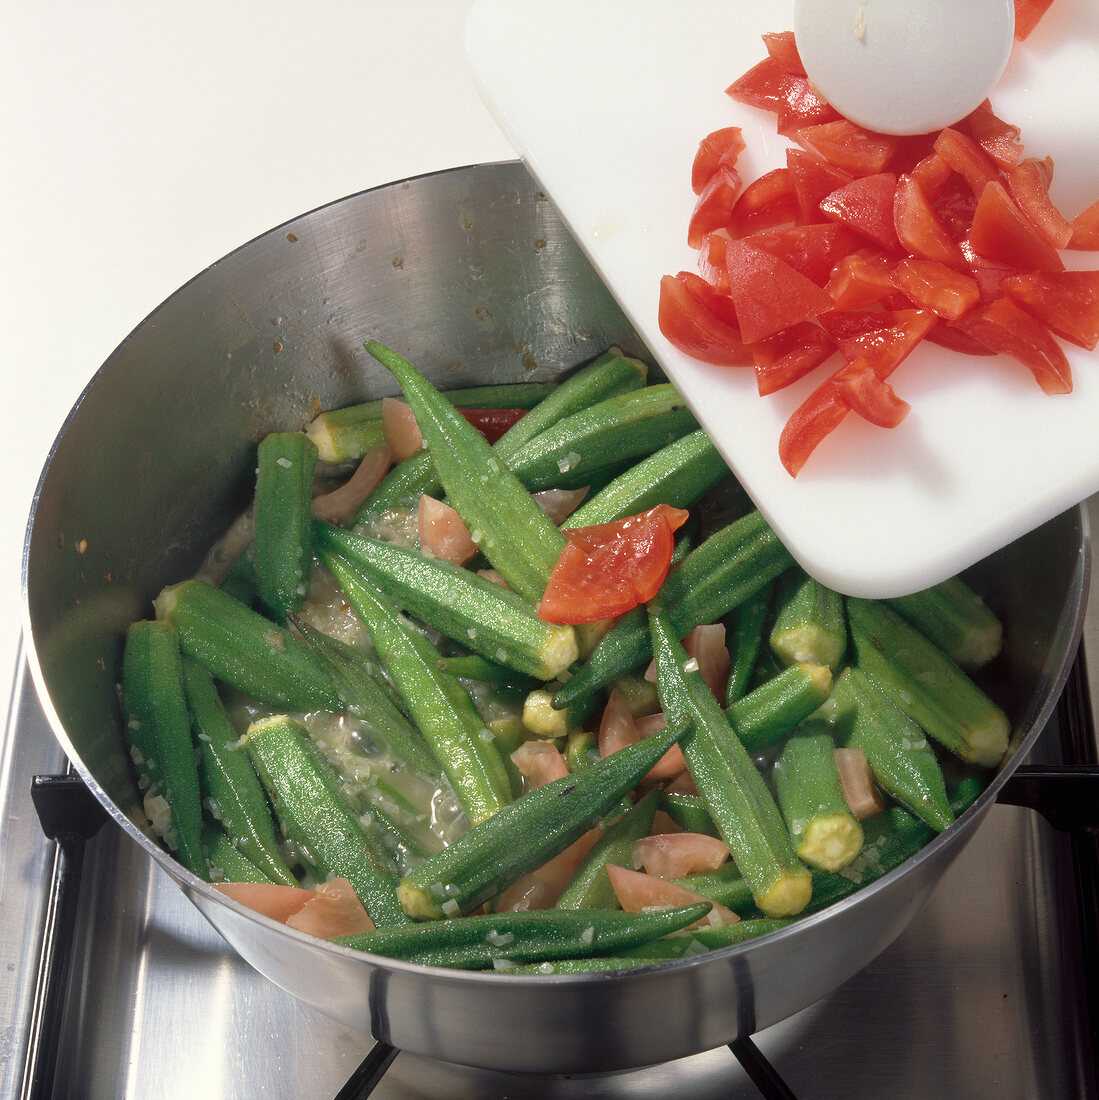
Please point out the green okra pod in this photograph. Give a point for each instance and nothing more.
(928, 686)
(769, 711)
(745, 639)
(158, 728)
(809, 623)
(956, 619)
(245, 650)
(534, 935)
(438, 704)
(283, 537)
(528, 832)
(230, 787)
(226, 862)
(317, 815)
(727, 778)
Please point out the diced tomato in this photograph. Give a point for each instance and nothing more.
(990, 274)
(1066, 301)
(1002, 326)
(674, 855)
(857, 782)
(706, 645)
(492, 423)
(766, 201)
(948, 335)
(764, 85)
(721, 148)
(607, 569)
(539, 762)
(861, 279)
(812, 250)
(999, 139)
(1028, 182)
(333, 910)
(714, 208)
(618, 728)
(541, 888)
(271, 899)
(967, 158)
(871, 397)
(803, 106)
(341, 502)
(637, 891)
(866, 205)
(442, 532)
(1028, 13)
(782, 47)
(1085, 229)
(402, 433)
(953, 205)
(788, 355)
(692, 328)
(769, 295)
(812, 180)
(931, 173)
(1001, 231)
(713, 299)
(919, 229)
(883, 338)
(847, 146)
(711, 263)
(929, 284)
(810, 423)
(559, 504)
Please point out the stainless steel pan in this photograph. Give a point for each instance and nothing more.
(472, 276)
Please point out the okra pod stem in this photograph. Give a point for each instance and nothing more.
(809, 624)
(533, 935)
(283, 526)
(158, 728)
(317, 815)
(438, 704)
(525, 834)
(231, 789)
(735, 792)
(925, 684)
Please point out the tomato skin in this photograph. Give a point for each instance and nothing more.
(1004, 327)
(765, 202)
(721, 148)
(866, 205)
(765, 85)
(931, 173)
(999, 139)
(931, 285)
(1066, 301)
(788, 355)
(769, 294)
(715, 300)
(967, 158)
(810, 423)
(871, 397)
(783, 48)
(610, 568)
(1028, 182)
(714, 208)
(919, 229)
(492, 423)
(687, 324)
(803, 106)
(1001, 231)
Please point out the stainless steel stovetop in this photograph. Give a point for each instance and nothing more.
(982, 997)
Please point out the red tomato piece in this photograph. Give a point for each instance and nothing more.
(929, 284)
(674, 855)
(711, 260)
(999, 139)
(990, 274)
(687, 324)
(812, 180)
(607, 569)
(718, 149)
(1002, 232)
(932, 174)
(769, 294)
(271, 899)
(716, 301)
(866, 205)
(871, 397)
(789, 355)
(706, 644)
(810, 423)
(1066, 301)
(919, 229)
(782, 47)
(1028, 182)
(883, 338)
(967, 158)
(766, 201)
(861, 278)
(765, 85)
(539, 762)
(947, 335)
(803, 106)
(492, 423)
(637, 891)
(344, 500)
(715, 204)
(847, 146)
(813, 250)
(1004, 327)
(954, 204)
(333, 910)
(1028, 13)
(1085, 229)
(618, 728)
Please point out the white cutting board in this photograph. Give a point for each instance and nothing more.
(606, 101)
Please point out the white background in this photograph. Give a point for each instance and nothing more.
(140, 142)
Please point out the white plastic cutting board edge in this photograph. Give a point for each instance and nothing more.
(606, 101)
